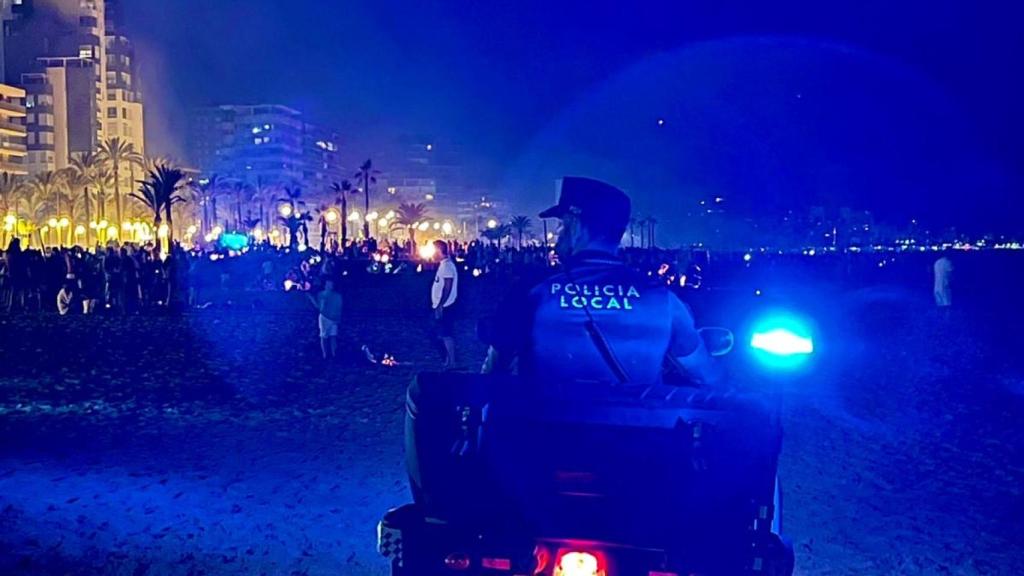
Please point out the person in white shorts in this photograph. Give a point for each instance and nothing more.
(328, 303)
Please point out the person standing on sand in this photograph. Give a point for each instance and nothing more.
(443, 295)
(328, 303)
(943, 283)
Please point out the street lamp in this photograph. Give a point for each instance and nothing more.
(285, 210)
(331, 216)
(492, 223)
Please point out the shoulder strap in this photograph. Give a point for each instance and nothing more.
(598, 339)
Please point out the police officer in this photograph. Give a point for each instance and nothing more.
(596, 319)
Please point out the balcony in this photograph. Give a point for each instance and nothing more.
(14, 149)
(13, 168)
(11, 110)
(11, 129)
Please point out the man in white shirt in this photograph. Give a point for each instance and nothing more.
(443, 295)
(64, 298)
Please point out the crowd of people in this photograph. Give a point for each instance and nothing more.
(130, 278)
(133, 278)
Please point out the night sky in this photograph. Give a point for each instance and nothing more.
(911, 109)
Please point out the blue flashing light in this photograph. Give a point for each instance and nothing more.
(234, 241)
(782, 341)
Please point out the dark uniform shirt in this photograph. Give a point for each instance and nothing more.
(642, 322)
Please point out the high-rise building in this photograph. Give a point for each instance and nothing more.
(57, 50)
(12, 132)
(123, 117)
(268, 142)
(321, 158)
(424, 169)
(61, 101)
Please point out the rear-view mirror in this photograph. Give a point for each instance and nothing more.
(718, 341)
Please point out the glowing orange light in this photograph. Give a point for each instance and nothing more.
(577, 564)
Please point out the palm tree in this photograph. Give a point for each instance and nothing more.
(321, 219)
(47, 188)
(263, 192)
(295, 222)
(148, 195)
(34, 206)
(78, 195)
(167, 182)
(116, 152)
(104, 182)
(205, 193)
(241, 191)
(497, 234)
(153, 162)
(409, 215)
(368, 175)
(343, 190)
(520, 224)
(297, 217)
(159, 193)
(84, 174)
(48, 184)
(10, 185)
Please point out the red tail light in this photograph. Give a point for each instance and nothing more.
(578, 564)
(497, 564)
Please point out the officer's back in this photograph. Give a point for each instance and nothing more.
(596, 319)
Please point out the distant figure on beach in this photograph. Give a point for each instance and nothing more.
(443, 295)
(65, 298)
(328, 303)
(944, 283)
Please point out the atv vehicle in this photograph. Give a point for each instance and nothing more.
(586, 478)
